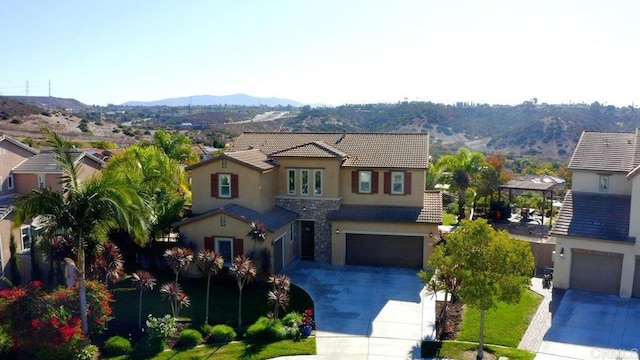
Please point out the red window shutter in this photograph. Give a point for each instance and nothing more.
(214, 185)
(355, 182)
(407, 183)
(234, 185)
(387, 182)
(238, 247)
(374, 182)
(209, 243)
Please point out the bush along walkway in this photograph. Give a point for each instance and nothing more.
(541, 321)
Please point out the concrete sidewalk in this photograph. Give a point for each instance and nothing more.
(366, 312)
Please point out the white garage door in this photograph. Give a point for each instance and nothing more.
(597, 271)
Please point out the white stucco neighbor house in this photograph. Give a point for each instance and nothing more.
(599, 224)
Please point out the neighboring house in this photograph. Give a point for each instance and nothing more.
(22, 169)
(597, 228)
(340, 198)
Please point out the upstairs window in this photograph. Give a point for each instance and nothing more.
(291, 180)
(41, 182)
(397, 182)
(25, 233)
(604, 183)
(10, 182)
(365, 181)
(304, 182)
(224, 186)
(317, 182)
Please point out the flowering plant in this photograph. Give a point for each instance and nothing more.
(307, 318)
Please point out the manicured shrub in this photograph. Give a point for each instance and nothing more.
(292, 319)
(117, 345)
(219, 333)
(88, 352)
(150, 346)
(261, 331)
(189, 338)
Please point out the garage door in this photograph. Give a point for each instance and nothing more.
(636, 279)
(384, 250)
(596, 271)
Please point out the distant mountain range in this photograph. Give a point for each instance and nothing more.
(207, 100)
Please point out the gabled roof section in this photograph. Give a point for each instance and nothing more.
(45, 162)
(606, 151)
(376, 150)
(273, 219)
(14, 141)
(594, 216)
(430, 213)
(315, 149)
(253, 158)
(6, 206)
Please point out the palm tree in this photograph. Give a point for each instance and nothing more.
(258, 233)
(108, 266)
(278, 296)
(460, 169)
(142, 280)
(83, 210)
(178, 258)
(244, 271)
(209, 262)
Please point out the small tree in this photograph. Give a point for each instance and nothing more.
(258, 233)
(13, 262)
(108, 265)
(178, 258)
(278, 296)
(209, 262)
(142, 280)
(177, 298)
(491, 267)
(244, 270)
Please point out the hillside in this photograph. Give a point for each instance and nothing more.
(209, 100)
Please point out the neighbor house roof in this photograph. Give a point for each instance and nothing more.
(317, 149)
(594, 215)
(273, 219)
(606, 151)
(430, 212)
(45, 162)
(253, 158)
(14, 141)
(6, 206)
(381, 150)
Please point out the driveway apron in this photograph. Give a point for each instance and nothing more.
(364, 312)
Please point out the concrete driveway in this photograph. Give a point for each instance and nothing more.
(590, 325)
(365, 312)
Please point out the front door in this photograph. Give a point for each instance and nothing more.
(306, 241)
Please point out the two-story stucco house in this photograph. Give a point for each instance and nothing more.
(597, 228)
(340, 198)
(22, 169)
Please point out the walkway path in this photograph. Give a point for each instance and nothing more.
(541, 321)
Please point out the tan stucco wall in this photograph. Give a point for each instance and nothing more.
(330, 175)
(562, 265)
(196, 232)
(414, 199)
(10, 156)
(255, 190)
(590, 182)
(338, 241)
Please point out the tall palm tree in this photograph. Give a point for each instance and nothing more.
(244, 270)
(460, 169)
(209, 262)
(84, 210)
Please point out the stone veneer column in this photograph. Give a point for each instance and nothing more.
(315, 209)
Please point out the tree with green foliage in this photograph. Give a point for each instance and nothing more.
(460, 170)
(13, 261)
(84, 210)
(490, 267)
(176, 146)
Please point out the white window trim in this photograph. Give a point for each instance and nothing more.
(604, 180)
(289, 179)
(393, 176)
(302, 172)
(360, 182)
(220, 186)
(10, 184)
(42, 181)
(218, 240)
(28, 228)
(315, 184)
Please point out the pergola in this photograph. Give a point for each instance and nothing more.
(543, 183)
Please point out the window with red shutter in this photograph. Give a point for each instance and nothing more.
(209, 243)
(214, 185)
(407, 183)
(234, 185)
(238, 247)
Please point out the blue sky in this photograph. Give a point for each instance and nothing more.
(331, 52)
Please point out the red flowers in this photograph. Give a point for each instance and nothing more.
(307, 318)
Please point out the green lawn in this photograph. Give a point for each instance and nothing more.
(457, 350)
(503, 326)
(238, 350)
(449, 219)
(223, 303)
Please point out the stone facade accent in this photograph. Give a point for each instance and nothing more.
(315, 209)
